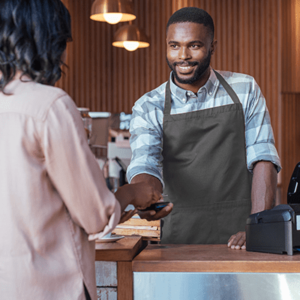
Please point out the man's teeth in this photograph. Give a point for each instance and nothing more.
(185, 68)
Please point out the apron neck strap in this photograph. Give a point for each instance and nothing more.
(168, 99)
(226, 86)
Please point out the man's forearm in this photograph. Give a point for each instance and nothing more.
(264, 185)
(153, 181)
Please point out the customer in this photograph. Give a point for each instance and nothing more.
(52, 192)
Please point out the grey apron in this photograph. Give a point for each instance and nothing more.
(205, 173)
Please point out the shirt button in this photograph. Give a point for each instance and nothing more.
(183, 100)
(210, 93)
(189, 94)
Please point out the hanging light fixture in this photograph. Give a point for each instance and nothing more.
(130, 37)
(112, 11)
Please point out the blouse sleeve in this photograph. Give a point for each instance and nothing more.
(74, 171)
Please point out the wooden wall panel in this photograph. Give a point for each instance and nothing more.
(291, 46)
(290, 105)
(291, 138)
(106, 78)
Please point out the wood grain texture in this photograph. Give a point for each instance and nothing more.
(137, 231)
(290, 109)
(125, 281)
(290, 97)
(211, 258)
(141, 222)
(290, 46)
(106, 78)
(122, 250)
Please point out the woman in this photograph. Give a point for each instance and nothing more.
(52, 192)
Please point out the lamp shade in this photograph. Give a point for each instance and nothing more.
(112, 11)
(130, 37)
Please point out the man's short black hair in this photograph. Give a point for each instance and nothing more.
(193, 15)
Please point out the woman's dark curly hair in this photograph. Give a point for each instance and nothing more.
(33, 37)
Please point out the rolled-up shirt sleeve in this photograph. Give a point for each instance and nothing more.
(146, 139)
(74, 171)
(260, 143)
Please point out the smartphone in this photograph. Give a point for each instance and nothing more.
(156, 206)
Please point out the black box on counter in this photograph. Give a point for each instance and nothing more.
(277, 230)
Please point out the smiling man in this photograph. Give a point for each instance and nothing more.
(205, 139)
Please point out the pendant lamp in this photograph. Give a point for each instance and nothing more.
(130, 37)
(112, 11)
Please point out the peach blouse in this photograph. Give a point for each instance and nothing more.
(52, 196)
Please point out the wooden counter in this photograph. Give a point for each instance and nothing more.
(163, 272)
(211, 258)
(122, 250)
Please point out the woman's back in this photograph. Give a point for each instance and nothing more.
(40, 245)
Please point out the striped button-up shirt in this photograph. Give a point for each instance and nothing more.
(146, 125)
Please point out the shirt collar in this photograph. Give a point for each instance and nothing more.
(210, 87)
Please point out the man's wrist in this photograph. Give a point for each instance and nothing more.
(150, 179)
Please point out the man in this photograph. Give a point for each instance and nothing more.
(205, 138)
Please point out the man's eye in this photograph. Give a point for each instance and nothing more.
(174, 46)
(195, 46)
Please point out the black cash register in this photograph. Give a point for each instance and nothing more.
(277, 230)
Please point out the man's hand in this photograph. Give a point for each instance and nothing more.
(141, 195)
(152, 215)
(126, 215)
(263, 194)
(237, 241)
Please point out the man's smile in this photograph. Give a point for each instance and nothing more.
(185, 68)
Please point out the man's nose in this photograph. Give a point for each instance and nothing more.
(184, 53)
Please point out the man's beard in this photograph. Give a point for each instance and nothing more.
(201, 68)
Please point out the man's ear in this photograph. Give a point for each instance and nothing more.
(213, 46)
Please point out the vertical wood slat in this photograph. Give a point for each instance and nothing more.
(291, 46)
(290, 98)
(125, 276)
(105, 78)
(290, 138)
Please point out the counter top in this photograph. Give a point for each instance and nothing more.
(212, 258)
(122, 250)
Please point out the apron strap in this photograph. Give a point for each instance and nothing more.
(228, 88)
(168, 99)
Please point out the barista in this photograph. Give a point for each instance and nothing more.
(205, 139)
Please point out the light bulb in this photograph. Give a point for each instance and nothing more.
(131, 46)
(112, 18)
